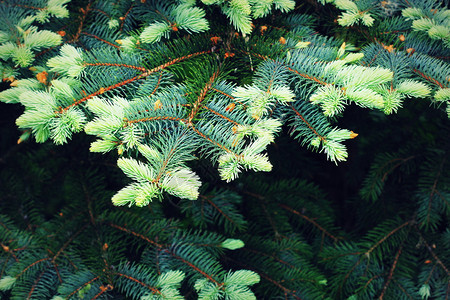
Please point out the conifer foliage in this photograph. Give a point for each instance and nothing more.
(182, 97)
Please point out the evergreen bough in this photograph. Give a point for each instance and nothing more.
(173, 87)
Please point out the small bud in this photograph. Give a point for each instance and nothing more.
(230, 107)
(10, 79)
(157, 105)
(24, 136)
(232, 244)
(410, 51)
(402, 37)
(42, 77)
(353, 135)
(215, 40)
(282, 40)
(61, 33)
(229, 54)
(263, 29)
(389, 48)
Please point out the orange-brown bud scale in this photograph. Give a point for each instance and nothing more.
(157, 105)
(42, 77)
(230, 107)
(353, 135)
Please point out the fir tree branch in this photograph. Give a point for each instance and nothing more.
(387, 236)
(157, 84)
(161, 247)
(141, 236)
(154, 290)
(391, 272)
(312, 78)
(122, 20)
(335, 239)
(220, 115)
(429, 78)
(279, 260)
(32, 265)
(99, 92)
(23, 5)
(431, 273)
(103, 289)
(102, 12)
(135, 78)
(211, 140)
(6, 249)
(128, 122)
(347, 275)
(285, 290)
(226, 95)
(322, 138)
(34, 284)
(72, 237)
(269, 217)
(217, 208)
(434, 190)
(85, 11)
(430, 249)
(402, 161)
(82, 286)
(55, 266)
(194, 267)
(198, 103)
(403, 289)
(100, 39)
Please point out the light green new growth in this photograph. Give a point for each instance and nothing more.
(6, 283)
(128, 98)
(414, 88)
(436, 24)
(330, 98)
(352, 14)
(235, 286)
(232, 244)
(69, 63)
(19, 40)
(184, 16)
(168, 285)
(442, 95)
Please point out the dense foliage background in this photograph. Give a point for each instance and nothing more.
(375, 226)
